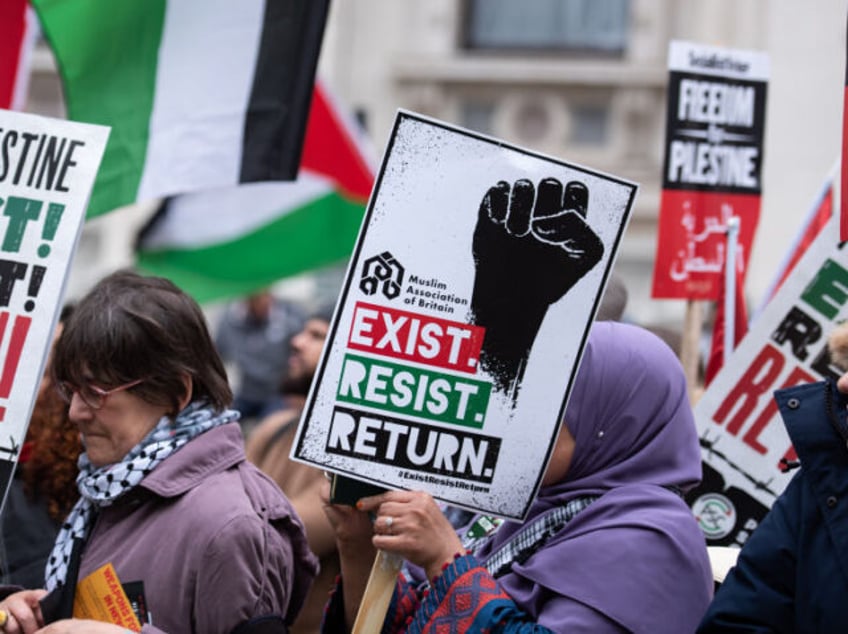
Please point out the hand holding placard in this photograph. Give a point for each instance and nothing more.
(530, 247)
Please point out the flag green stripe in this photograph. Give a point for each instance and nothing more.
(316, 235)
(129, 34)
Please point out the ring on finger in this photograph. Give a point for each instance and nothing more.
(388, 522)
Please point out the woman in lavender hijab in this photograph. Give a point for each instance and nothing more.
(609, 545)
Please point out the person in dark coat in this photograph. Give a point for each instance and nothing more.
(792, 573)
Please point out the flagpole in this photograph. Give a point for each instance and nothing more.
(730, 288)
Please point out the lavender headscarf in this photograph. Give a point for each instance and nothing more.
(636, 554)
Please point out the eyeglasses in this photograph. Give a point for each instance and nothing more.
(91, 395)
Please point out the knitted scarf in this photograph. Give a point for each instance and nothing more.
(101, 486)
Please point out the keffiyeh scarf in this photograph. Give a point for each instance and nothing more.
(533, 536)
(100, 486)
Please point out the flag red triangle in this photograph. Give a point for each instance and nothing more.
(817, 222)
(332, 149)
(13, 40)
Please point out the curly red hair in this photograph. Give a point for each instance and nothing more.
(50, 472)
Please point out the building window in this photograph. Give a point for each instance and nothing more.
(577, 25)
(589, 125)
(477, 116)
(532, 122)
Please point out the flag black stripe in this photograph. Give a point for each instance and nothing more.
(275, 121)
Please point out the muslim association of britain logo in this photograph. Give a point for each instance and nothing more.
(716, 515)
(382, 273)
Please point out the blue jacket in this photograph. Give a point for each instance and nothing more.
(792, 574)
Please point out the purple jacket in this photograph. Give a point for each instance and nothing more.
(214, 541)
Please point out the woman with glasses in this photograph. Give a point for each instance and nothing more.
(198, 538)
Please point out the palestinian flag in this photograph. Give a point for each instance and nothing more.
(199, 93)
(219, 244)
(18, 30)
(817, 218)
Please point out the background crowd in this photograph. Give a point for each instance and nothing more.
(135, 457)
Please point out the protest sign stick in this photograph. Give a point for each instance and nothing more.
(690, 346)
(384, 571)
(730, 288)
(378, 593)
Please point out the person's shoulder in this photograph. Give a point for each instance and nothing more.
(643, 507)
(217, 497)
(240, 495)
(275, 421)
(806, 411)
(262, 492)
(239, 513)
(268, 429)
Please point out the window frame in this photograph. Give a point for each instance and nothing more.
(467, 44)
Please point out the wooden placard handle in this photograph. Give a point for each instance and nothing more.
(378, 593)
(690, 354)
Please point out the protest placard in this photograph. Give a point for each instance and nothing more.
(47, 168)
(743, 439)
(713, 163)
(462, 317)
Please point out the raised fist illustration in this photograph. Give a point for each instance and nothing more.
(531, 245)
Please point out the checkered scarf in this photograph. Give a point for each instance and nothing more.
(533, 536)
(100, 486)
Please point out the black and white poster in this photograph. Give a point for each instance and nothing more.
(464, 312)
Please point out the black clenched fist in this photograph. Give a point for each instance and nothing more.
(531, 245)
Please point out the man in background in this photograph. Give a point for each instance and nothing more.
(268, 447)
(254, 335)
